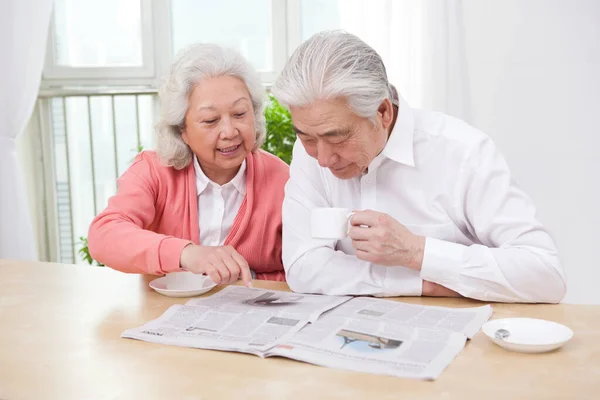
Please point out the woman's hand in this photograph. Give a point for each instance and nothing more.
(222, 264)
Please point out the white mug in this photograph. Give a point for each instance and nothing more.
(330, 223)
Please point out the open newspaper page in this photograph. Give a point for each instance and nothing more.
(235, 319)
(386, 337)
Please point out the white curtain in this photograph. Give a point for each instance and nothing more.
(23, 34)
(422, 45)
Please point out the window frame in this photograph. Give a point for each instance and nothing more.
(157, 51)
(60, 75)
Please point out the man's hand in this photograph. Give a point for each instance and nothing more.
(435, 290)
(222, 264)
(380, 239)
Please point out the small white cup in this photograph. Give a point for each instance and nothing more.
(330, 223)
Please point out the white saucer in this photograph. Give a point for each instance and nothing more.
(528, 335)
(182, 284)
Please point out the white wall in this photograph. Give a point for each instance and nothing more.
(534, 76)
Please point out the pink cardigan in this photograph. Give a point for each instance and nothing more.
(154, 215)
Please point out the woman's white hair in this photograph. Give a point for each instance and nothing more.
(195, 63)
(334, 64)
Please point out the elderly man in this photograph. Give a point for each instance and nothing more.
(436, 210)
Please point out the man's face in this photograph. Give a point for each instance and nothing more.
(338, 138)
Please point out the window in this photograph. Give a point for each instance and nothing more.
(100, 39)
(132, 42)
(247, 30)
(319, 15)
(93, 34)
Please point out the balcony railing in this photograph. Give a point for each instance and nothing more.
(89, 138)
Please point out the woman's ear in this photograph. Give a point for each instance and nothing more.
(184, 135)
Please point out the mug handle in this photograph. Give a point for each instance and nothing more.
(348, 218)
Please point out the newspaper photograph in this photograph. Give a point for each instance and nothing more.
(467, 321)
(236, 319)
(386, 337)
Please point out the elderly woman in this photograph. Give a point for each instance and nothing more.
(207, 200)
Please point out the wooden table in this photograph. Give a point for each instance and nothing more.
(59, 339)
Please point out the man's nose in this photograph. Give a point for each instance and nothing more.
(325, 156)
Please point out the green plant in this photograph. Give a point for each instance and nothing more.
(84, 252)
(280, 131)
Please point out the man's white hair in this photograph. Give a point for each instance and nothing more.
(334, 64)
(195, 63)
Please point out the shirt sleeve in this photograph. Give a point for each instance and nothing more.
(514, 258)
(314, 265)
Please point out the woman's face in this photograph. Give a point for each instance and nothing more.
(219, 126)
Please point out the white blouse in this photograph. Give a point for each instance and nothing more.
(218, 205)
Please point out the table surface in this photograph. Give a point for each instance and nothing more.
(60, 328)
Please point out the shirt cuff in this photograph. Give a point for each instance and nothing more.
(169, 254)
(442, 261)
(401, 281)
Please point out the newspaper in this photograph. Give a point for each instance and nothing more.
(386, 337)
(236, 319)
(360, 334)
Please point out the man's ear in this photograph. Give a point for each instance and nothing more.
(386, 113)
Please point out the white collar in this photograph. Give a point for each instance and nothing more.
(202, 181)
(399, 146)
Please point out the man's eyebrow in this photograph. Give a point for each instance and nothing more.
(298, 131)
(334, 132)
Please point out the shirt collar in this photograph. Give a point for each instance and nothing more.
(202, 181)
(399, 146)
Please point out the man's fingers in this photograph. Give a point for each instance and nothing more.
(361, 245)
(360, 233)
(366, 217)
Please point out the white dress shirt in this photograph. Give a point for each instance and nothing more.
(444, 180)
(218, 205)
